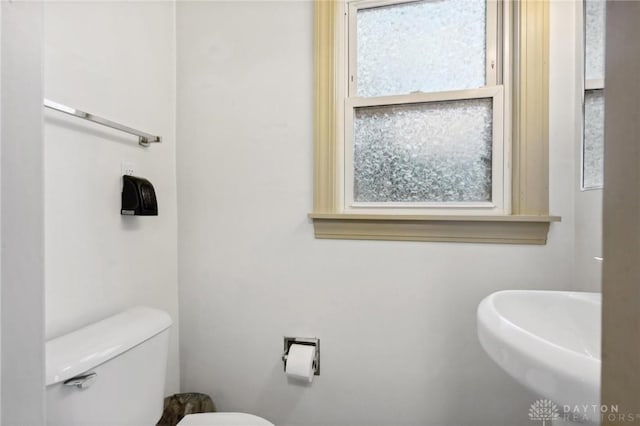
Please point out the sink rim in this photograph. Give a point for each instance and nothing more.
(490, 300)
(559, 373)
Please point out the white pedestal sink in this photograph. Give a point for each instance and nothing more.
(549, 341)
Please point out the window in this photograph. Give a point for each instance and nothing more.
(593, 135)
(414, 128)
(424, 115)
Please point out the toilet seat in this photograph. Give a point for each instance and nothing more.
(223, 419)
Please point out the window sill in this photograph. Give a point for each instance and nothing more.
(508, 229)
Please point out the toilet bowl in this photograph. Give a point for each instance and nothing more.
(223, 419)
(113, 373)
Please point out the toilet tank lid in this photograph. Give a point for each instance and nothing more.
(86, 348)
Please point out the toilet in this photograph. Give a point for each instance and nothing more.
(112, 372)
(223, 419)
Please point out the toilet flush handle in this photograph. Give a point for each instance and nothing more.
(83, 381)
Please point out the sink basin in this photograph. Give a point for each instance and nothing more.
(549, 341)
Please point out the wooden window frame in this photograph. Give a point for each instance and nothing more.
(529, 220)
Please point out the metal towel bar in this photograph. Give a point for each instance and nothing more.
(144, 138)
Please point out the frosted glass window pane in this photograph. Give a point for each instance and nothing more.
(426, 46)
(593, 155)
(430, 152)
(594, 38)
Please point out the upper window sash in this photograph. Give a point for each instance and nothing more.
(593, 32)
(493, 40)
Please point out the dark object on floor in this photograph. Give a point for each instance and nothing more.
(179, 405)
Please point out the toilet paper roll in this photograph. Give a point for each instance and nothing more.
(300, 362)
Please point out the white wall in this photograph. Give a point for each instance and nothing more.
(22, 215)
(117, 60)
(588, 271)
(396, 319)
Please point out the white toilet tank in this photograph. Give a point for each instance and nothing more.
(128, 355)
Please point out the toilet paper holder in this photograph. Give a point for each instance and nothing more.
(311, 341)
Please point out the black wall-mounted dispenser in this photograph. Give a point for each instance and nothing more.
(138, 197)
